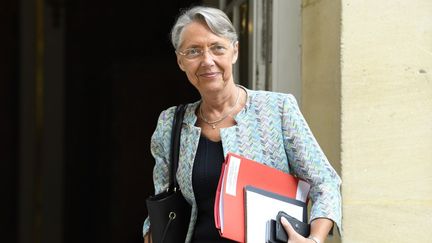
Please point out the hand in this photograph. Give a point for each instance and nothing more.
(293, 236)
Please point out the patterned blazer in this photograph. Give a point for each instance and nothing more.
(270, 129)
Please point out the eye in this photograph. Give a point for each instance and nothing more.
(218, 49)
(193, 52)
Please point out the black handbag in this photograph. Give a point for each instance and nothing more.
(169, 212)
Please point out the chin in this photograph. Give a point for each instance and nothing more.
(215, 85)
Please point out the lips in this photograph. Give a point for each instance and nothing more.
(209, 74)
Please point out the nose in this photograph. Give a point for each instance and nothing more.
(207, 58)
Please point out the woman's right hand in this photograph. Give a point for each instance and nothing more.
(293, 236)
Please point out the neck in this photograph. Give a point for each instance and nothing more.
(216, 103)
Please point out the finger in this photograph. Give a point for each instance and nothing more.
(292, 234)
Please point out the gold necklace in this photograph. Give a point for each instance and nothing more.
(214, 123)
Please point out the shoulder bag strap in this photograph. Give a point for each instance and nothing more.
(175, 144)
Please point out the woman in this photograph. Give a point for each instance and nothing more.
(263, 126)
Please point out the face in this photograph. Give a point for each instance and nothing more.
(212, 70)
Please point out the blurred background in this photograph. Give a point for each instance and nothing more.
(82, 85)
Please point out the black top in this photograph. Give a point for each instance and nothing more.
(205, 177)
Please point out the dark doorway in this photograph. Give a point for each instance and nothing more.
(116, 72)
(9, 119)
(120, 73)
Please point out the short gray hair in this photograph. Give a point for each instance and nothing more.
(217, 21)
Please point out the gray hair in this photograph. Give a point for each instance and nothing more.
(217, 21)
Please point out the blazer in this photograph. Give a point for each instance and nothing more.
(270, 129)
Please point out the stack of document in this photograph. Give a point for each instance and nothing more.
(250, 193)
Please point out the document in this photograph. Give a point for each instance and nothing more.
(262, 206)
(239, 172)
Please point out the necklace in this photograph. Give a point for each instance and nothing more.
(214, 123)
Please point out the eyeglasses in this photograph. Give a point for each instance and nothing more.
(195, 52)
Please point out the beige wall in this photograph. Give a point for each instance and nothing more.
(321, 74)
(387, 120)
(372, 62)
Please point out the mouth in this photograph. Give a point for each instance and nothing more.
(209, 74)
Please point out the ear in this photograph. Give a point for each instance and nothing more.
(235, 54)
(180, 62)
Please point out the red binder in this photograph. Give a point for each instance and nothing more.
(238, 172)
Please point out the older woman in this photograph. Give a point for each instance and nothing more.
(264, 126)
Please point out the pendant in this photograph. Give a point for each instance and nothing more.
(213, 126)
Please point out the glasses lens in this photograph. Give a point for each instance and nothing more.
(215, 50)
(218, 50)
(192, 53)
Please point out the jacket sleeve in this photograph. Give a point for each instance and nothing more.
(307, 161)
(160, 149)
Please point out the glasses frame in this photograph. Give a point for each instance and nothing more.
(204, 50)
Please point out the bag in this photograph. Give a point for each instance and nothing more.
(169, 212)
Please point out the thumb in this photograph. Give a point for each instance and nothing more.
(292, 234)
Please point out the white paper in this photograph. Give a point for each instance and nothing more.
(261, 208)
(233, 170)
(302, 191)
(221, 205)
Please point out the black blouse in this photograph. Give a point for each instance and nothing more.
(205, 177)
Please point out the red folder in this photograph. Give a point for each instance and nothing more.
(238, 172)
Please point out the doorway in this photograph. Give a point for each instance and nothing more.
(121, 73)
(89, 104)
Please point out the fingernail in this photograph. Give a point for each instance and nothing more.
(284, 220)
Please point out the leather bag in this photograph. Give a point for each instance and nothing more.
(169, 212)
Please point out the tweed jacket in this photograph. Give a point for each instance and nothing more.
(270, 129)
